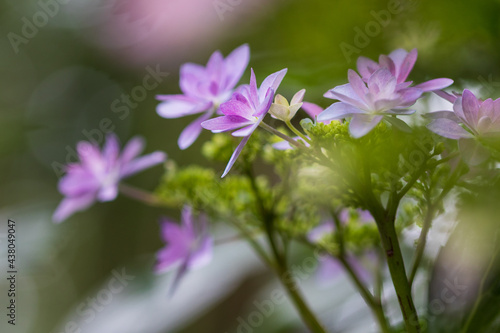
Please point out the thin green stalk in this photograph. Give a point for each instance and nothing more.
(140, 195)
(284, 275)
(394, 257)
(296, 131)
(281, 135)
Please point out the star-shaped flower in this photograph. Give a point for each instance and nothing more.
(204, 89)
(98, 173)
(245, 111)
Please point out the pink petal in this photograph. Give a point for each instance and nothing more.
(436, 84)
(366, 67)
(225, 123)
(271, 82)
(235, 64)
(192, 131)
(132, 149)
(339, 110)
(175, 106)
(448, 128)
(470, 107)
(143, 162)
(361, 124)
(312, 109)
(69, 206)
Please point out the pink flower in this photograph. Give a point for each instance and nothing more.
(98, 174)
(204, 89)
(189, 245)
(245, 111)
(471, 121)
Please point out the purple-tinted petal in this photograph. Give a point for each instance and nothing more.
(265, 105)
(311, 109)
(448, 128)
(254, 93)
(189, 78)
(387, 63)
(180, 107)
(111, 149)
(436, 84)
(382, 82)
(225, 123)
(247, 130)
(339, 110)
(409, 96)
(407, 65)
(271, 82)
(192, 131)
(346, 94)
(357, 83)
(447, 96)
(235, 155)
(235, 64)
(215, 66)
(361, 124)
(68, 206)
(132, 149)
(203, 254)
(143, 162)
(442, 114)
(108, 192)
(77, 182)
(366, 67)
(473, 153)
(470, 107)
(236, 108)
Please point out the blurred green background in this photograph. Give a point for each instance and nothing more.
(61, 76)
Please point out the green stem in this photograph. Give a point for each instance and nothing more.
(422, 241)
(281, 135)
(140, 195)
(390, 243)
(296, 131)
(284, 275)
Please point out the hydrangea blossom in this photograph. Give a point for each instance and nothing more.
(285, 111)
(189, 245)
(204, 89)
(471, 121)
(98, 173)
(245, 111)
(380, 92)
(400, 63)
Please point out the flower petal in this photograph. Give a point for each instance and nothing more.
(470, 107)
(69, 206)
(339, 110)
(132, 149)
(235, 155)
(361, 124)
(175, 106)
(192, 131)
(448, 128)
(311, 109)
(366, 67)
(225, 123)
(436, 84)
(235, 64)
(143, 162)
(271, 82)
